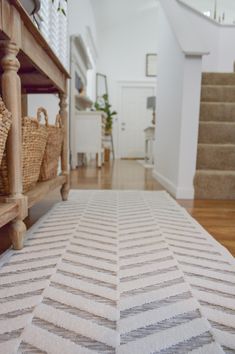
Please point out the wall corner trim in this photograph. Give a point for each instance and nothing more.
(175, 191)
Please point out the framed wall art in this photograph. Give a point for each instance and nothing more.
(101, 85)
(151, 65)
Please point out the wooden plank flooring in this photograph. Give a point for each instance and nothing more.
(217, 217)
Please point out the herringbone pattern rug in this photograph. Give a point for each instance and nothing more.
(118, 272)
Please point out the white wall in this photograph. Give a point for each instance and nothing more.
(123, 48)
(217, 38)
(169, 98)
(50, 102)
(178, 100)
(80, 15)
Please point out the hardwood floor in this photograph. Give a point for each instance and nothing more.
(217, 217)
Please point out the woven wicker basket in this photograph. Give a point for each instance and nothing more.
(5, 124)
(49, 167)
(34, 137)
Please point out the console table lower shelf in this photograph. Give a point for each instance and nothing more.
(44, 188)
(10, 211)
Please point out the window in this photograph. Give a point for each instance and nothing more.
(53, 26)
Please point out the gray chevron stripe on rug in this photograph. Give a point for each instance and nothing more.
(117, 272)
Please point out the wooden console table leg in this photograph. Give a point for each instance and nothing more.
(11, 92)
(64, 155)
(16, 232)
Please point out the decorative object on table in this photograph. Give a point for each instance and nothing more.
(5, 124)
(83, 102)
(106, 154)
(60, 6)
(151, 65)
(151, 104)
(34, 138)
(31, 6)
(101, 86)
(104, 105)
(50, 162)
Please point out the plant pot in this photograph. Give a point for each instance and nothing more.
(108, 132)
(106, 155)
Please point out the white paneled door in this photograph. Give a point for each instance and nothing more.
(133, 119)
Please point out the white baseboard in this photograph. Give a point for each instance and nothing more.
(177, 192)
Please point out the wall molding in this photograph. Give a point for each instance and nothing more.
(137, 83)
(176, 192)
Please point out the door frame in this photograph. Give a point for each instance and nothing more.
(123, 84)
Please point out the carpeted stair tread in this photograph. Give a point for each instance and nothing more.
(212, 184)
(218, 93)
(217, 111)
(216, 157)
(218, 79)
(215, 176)
(216, 133)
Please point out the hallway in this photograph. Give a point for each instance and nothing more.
(120, 268)
(117, 272)
(217, 217)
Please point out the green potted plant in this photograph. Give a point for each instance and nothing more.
(104, 105)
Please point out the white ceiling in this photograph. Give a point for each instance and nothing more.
(113, 12)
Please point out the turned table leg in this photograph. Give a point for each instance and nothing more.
(17, 230)
(65, 150)
(11, 92)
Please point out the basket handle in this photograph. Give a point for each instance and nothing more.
(44, 111)
(58, 121)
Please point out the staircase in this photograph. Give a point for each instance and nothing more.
(215, 175)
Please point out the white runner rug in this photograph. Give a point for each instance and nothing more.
(118, 272)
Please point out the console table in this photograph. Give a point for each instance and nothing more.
(28, 65)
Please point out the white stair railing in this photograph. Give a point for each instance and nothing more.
(222, 11)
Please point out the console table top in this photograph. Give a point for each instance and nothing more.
(40, 69)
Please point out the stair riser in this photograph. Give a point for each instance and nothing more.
(214, 187)
(216, 133)
(217, 112)
(216, 158)
(218, 79)
(218, 94)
